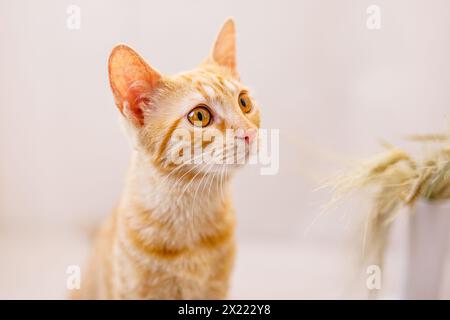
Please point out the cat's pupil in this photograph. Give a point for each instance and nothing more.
(200, 116)
(244, 104)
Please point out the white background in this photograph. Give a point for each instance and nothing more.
(332, 86)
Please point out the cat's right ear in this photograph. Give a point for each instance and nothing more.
(132, 81)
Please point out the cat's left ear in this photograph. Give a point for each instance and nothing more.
(224, 50)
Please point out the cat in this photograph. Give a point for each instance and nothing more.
(172, 234)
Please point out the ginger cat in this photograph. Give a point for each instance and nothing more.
(172, 233)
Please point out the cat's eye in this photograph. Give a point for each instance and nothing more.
(200, 116)
(244, 102)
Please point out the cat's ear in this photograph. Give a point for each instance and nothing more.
(224, 50)
(132, 81)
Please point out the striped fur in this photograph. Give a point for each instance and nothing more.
(172, 234)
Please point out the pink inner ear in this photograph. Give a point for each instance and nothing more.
(132, 81)
(137, 96)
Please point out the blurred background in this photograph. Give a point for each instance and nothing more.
(333, 86)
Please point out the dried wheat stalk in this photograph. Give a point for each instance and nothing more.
(399, 180)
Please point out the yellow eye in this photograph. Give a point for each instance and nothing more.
(245, 103)
(200, 116)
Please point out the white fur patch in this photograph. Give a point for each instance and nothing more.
(209, 91)
(231, 86)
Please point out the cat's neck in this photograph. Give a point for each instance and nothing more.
(170, 195)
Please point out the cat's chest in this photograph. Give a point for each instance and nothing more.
(194, 274)
(177, 253)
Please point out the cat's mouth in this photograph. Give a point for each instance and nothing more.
(215, 157)
(230, 162)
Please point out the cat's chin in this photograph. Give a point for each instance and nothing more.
(227, 168)
(220, 169)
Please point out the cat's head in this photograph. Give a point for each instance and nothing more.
(200, 120)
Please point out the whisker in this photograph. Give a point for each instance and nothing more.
(189, 183)
(211, 165)
(197, 166)
(181, 166)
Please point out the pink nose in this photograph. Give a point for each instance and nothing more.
(250, 135)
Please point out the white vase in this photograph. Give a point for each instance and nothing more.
(428, 237)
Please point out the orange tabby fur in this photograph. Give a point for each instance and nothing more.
(172, 233)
